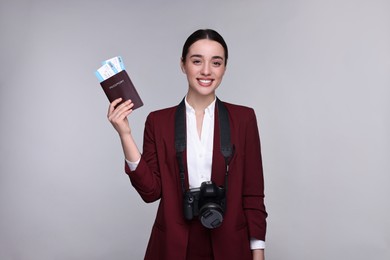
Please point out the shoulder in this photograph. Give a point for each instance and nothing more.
(238, 108)
(164, 111)
(162, 114)
(239, 112)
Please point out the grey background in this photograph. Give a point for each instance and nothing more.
(316, 72)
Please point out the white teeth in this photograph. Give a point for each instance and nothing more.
(205, 81)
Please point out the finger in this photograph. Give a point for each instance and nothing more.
(124, 115)
(124, 107)
(118, 119)
(121, 112)
(111, 108)
(115, 108)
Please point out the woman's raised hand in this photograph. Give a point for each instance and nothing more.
(118, 116)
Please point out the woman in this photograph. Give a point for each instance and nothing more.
(156, 174)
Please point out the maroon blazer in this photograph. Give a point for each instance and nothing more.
(157, 177)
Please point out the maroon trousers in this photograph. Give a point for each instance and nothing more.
(199, 242)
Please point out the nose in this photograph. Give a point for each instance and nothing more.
(206, 69)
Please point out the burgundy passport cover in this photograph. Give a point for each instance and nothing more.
(120, 86)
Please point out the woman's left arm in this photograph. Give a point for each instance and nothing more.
(253, 186)
(258, 254)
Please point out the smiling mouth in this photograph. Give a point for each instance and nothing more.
(205, 82)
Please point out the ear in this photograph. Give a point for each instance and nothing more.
(182, 66)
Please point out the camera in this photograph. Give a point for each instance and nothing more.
(208, 202)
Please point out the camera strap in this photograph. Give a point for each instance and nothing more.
(181, 141)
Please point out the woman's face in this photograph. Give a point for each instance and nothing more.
(204, 67)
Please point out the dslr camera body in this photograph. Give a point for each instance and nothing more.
(208, 202)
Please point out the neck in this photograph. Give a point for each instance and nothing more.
(200, 103)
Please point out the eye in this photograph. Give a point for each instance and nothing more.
(217, 63)
(196, 61)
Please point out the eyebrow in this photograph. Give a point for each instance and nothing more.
(200, 56)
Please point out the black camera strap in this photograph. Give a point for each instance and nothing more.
(181, 141)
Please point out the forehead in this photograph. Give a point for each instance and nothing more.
(206, 47)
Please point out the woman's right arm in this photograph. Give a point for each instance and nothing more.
(118, 118)
(146, 177)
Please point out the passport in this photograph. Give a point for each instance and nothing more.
(120, 86)
(116, 83)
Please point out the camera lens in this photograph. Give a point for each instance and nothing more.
(211, 216)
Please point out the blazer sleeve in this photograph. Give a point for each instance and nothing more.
(253, 190)
(146, 178)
